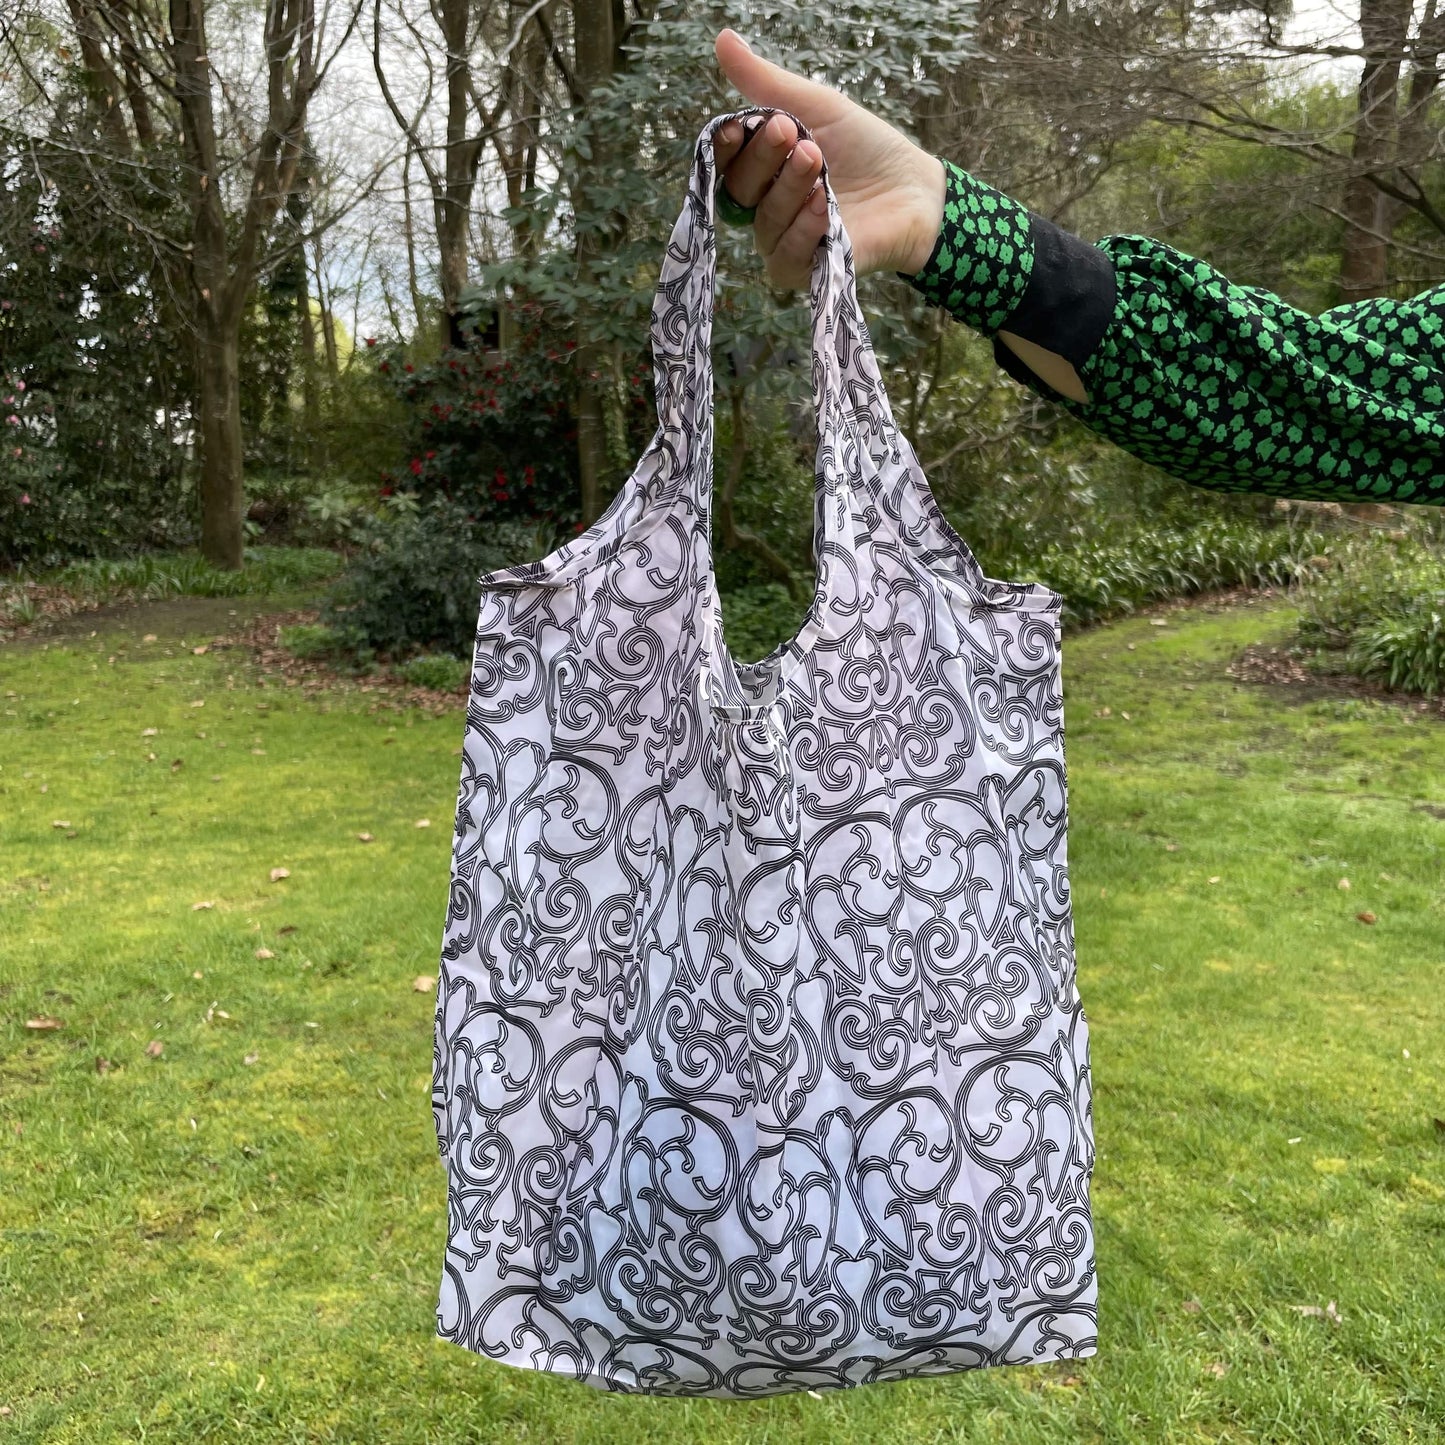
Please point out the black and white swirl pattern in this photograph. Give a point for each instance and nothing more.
(760, 1062)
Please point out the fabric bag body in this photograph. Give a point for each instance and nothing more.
(760, 1061)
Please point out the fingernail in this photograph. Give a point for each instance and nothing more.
(801, 158)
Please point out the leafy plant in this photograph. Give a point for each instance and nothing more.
(1105, 578)
(413, 581)
(310, 640)
(439, 671)
(1407, 654)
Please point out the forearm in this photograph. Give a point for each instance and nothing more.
(1225, 386)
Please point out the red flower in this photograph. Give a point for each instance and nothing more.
(416, 466)
(430, 456)
(371, 341)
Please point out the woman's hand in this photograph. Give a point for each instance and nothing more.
(889, 190)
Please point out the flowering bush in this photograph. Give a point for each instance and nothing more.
(495, 432)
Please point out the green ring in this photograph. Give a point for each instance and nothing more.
(729, 209)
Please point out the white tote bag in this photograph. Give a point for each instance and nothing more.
(760, 1062)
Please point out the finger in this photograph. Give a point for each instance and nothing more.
(750, 175)
(727, 141)
(791, 264)
(786, 196)
(769, 85)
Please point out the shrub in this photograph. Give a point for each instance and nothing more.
(1369, 579)
(310, 640)
(413, 580)
(1102, 579)
(1377, 607)
(438, 671)
(1407, 654)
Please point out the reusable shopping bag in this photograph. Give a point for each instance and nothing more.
(760, 1061)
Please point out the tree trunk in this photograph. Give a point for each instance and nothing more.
(222, 494)
(1364, 248)
(596, 53)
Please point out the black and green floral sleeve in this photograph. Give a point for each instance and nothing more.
(1222, 385)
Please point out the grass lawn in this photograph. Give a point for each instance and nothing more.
(241, 1238)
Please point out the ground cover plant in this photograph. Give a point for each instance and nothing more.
(221, 1209)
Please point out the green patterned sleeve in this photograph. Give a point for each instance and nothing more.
(1225, 386)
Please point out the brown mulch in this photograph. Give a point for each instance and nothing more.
(260, 636)
(1281, 667)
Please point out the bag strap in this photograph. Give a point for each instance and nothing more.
(846, 389)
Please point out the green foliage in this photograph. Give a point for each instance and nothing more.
(95, 365)
(1407, 654)
(1377, 606)
(439, 671)
(494, 432)
(412, 582)
(1367, 579)
(1101, 579)
(310, 640)
(267, 570)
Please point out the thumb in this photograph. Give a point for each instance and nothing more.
(763, 83)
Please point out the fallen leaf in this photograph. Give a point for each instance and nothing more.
(103, 1066)
(196, 907)
(258, 752)
(1126, 717)
(264, 953)
(277, 874)
(365, 838)
(1072, 1382)
(44, 1023)
(1295, 1140)
(1103, 712)
(1171, 847)
(251, 1059)
(289, 928)
(199, 702)
(1366, 917)
(1440, 1128)
(1192, 1307)
(177, 764)
(59, 824)
(149, 732)
(149, 637)
(423, 983)
(423, 823)
(1158, 622)
(1344, 885)
(197, 974)
(200, 650)
(155, 1049)
(1215, 879)
(1329, 1312)
(215, 777)
(1218, 1370)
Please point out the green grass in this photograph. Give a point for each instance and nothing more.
(197, 1248)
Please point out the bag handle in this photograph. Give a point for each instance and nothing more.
(682, 315)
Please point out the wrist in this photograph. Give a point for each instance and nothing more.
(920, 233)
